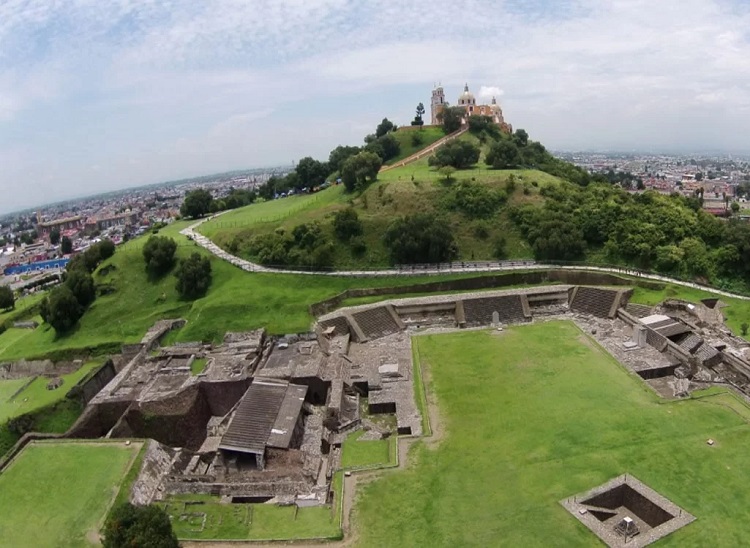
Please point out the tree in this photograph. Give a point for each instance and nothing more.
(311, 172)
(735, 208)
(451, 118)
(346, 224)
(386, 126)
(420, 238)
(699, 176)
(359, 170)
(63, 309)
(447, 172)
(81, 284)
(7, 299)
(419, 118)
(159, 254)
(520, 137)
(106, 249)
(456, 153)
(66, 246)
(193, 276)
(54, 236)
(339, 155)
(130, 525)
(196, 204)
(743, 328)
(503, 154)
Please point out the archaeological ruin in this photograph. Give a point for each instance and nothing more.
(265, 419)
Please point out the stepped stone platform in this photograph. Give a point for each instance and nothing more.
(378, 322)
(596, 301)
(509, 309)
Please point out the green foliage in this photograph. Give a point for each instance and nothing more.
(306, 247)
(743, 328)
(360, 170)
(197, 203)
(420, 238)
(81, 284)
(450, 118)
(447, 172)
(54, 236)
(387, 147)
(92, 257)
(418, 119)
(129, 525)
(7, 298)
(457, 153)
(417, 139)
(311, 172)
(346, 224)
(503, 154)
(499, 249)
(159, 254)
(193, 276)
(483, 125)
(474, 200)
(62, 310)
(384, 127)
(339, 155)
(66, 245)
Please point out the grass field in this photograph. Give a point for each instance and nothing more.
(56, 494)
(204, 517)
(538, 413)
(357, 454)
(236, 301)
(35, 395)
(404, 135)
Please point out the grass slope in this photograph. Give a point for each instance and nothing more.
(248, 521)
(35, 395)
(56, 494)
(236, 301)
(538, 413)
(427, 134)
(414, 188)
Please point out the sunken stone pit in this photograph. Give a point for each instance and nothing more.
(626, 512)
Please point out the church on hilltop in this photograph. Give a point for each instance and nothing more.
(468, 102)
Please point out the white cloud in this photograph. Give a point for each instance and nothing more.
(160, 89)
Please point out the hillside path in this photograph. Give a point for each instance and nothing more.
(447, 268)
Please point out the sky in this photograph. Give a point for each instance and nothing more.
(100, 95)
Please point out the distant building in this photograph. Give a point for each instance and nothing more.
(468, 102)
(44, 228)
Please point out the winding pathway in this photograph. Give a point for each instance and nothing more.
(447, 268)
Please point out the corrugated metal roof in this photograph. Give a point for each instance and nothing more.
(255, 417)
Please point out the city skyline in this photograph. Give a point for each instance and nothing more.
(96, 98)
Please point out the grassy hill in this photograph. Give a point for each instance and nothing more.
(414, 188)
(412, 139)
(235, 301)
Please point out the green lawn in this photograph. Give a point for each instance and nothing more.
(56, 494)
(356, 453)
(533, 415)
(249, 521)
(236, 301)
(36, 395)
(198, 365)
(404, 136)
(273, 211)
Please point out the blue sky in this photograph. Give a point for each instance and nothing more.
(97, 95)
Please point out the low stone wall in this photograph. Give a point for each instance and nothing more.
(534, 277)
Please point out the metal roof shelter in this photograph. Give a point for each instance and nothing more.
(265, 416)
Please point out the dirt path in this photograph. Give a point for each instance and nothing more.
(353, 484)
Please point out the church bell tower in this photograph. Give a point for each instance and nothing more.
(437, 104)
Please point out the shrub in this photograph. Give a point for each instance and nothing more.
(193, 276)
(457, 153)
(159, 254)
(420, 238)
(7, 299)
(129, 525)
(81, 284)
(346, 224)
(62, 309)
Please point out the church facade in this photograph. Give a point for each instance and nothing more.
(468, 102)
